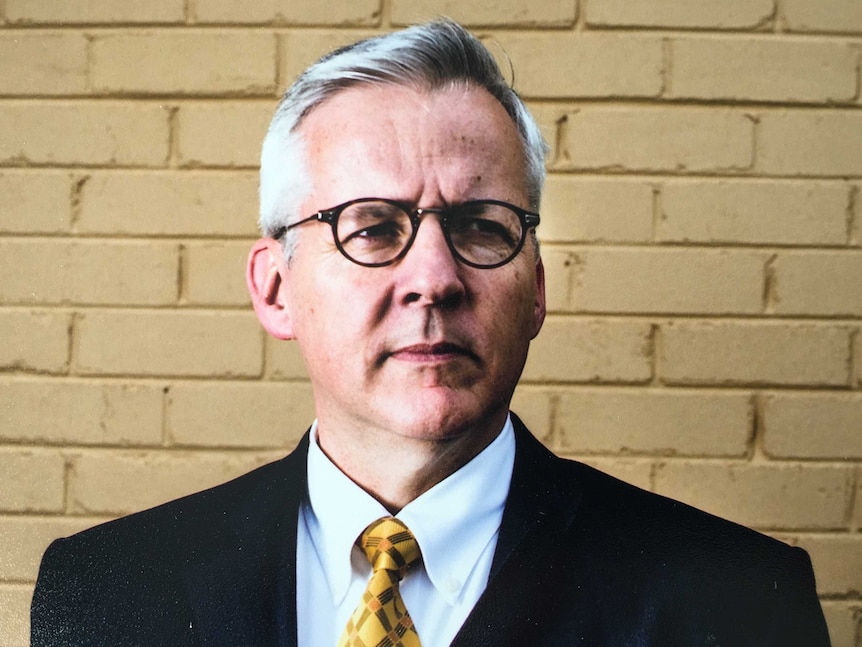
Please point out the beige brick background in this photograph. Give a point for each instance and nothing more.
(702, 231)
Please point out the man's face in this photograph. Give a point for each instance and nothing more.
(426, 348)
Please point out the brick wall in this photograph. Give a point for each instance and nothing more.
(701, 232)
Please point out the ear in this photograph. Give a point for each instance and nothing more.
(539, 307)
(265, 279)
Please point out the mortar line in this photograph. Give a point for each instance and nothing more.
(756, 452)
(182, 272)
(657, 211)
(854, 372)
(655, 345)
(666, 68)
(279, 55)
(172, 161)
(385, 15)
(72, 348)
(769, 299)
(580, 23)
(77, 186)
(165, 435)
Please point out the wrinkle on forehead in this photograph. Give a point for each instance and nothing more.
(419, 144)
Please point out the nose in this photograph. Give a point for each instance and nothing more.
(429, 274)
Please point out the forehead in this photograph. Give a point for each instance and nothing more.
(457, 142)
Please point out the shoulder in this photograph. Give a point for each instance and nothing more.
(638, 531)
(207, 513)
(664, 564)
(130, 576)
(666, 525)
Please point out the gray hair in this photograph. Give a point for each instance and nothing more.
(427, 56)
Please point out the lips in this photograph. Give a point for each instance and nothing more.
(434, 352)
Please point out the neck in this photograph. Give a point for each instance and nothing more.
(396, 470)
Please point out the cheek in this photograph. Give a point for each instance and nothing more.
(336, 317)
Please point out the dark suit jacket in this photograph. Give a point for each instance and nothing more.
(582, 559)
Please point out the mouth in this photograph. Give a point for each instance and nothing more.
(432, 353)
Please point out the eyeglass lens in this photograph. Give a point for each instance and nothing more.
(376, 232)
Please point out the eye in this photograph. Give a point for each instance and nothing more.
(386, 229)
(377, 223)
(484, 224)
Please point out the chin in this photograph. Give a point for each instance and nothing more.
(443, 416)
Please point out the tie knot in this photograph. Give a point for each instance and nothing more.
(389, 545)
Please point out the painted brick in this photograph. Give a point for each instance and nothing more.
(83, 133)
(80, 412)
(763, 69)
(26, 538)
(33, 480)
(754, 353)
(94, 12)
(714, 14)
(212, 63)
(15, 614)
(577, 350)
(332, 12)
(857, 358)
(668, 281)
(35, 202)
(122, 482)
(837, 562)
(170, 203)
(843, 619)
(584, 65)
(826, 15)
(534, 406)
(283, 360)
(655, 139)
(813, 425)
(299, 49)
(857, 507)
(787, 496)
(223, 133)
(214, 273)
(34, 341)
(810, 142)
(561, 264)
(759, 212)
(636, 472)
(800, 279)
(854, 216)
(549, 116)
(239, 414)
(168, 343)
(513, 13)
(789, 210)
(662, 421)
(60, 271)
(576, 209)
(43, 63)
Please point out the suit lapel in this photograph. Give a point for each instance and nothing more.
(541, 505)
(242, 581)
(254, 553)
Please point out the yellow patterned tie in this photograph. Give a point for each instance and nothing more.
(381, 619)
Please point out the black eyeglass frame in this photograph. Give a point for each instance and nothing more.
(528, 219)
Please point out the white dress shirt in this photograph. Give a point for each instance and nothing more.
(456, 524)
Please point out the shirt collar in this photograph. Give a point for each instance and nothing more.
(340, 510)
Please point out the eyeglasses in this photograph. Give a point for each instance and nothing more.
(374, 232)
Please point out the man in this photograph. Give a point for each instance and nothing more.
(400, 181)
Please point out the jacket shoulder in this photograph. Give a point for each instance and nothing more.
(124, 579)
